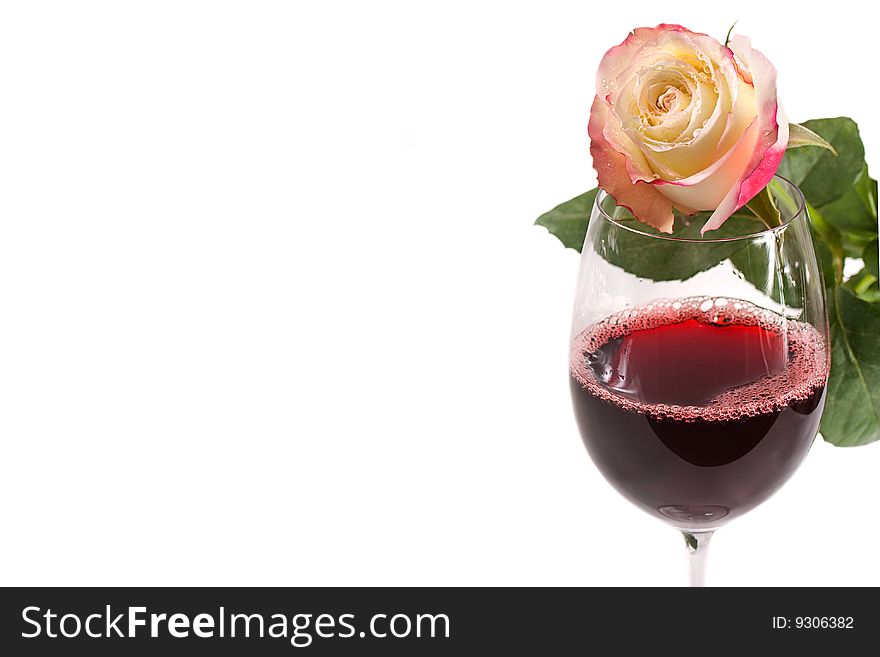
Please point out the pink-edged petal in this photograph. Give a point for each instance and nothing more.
(637, 165)
(772, 135)
(620, 57)
(641, 198)
(766, 169)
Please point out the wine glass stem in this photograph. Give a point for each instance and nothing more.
(697, 546)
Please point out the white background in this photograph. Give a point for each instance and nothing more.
(274, 312)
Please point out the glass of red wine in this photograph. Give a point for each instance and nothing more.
(698, 364)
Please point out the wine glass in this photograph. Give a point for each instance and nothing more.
(698, 364)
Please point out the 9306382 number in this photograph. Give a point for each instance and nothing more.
(813, 623)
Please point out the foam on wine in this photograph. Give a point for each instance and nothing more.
(802, 371)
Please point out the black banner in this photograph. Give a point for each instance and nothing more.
(436, 621)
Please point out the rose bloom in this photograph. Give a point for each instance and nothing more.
(681, 121)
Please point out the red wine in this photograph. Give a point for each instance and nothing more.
(698, 409)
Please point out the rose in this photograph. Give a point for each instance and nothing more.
(680, 120)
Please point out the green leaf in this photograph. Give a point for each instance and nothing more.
(851, 212)
(871, 294)
(827, 263)
(799, 136)
(751, 261)
(864, 285)
(765, 208)
(870, 257)
(568, 221)
(829, 239)
(852, 411)
(659, 260)
(670, 260)
(854, 243)
(866, 187)
(821, 176)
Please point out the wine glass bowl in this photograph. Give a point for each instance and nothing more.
(698, 363)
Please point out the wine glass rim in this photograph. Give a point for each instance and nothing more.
(800, 211)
